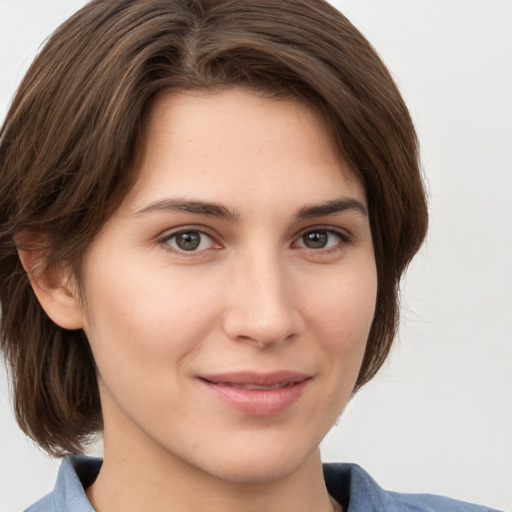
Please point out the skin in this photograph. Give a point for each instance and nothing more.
(256, 295)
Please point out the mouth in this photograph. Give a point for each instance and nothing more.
(254, 387)
(258, 394)
(257, 381)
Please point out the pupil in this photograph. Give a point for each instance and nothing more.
(315, 240)
(188, 241)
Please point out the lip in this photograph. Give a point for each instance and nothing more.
(257, 394)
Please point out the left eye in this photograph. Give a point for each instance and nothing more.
(189, 241)
(319, 239)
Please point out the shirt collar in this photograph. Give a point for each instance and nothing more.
(349, 484)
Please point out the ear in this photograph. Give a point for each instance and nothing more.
(54, 289)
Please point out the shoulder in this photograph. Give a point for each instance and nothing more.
(358, 492)
(46, 504)
(76, 473)
(432, 503)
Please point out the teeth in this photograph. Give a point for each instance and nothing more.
(256, 387)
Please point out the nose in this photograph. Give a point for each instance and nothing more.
(262, 309)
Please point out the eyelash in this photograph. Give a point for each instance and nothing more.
(164, 241)
(343, 240)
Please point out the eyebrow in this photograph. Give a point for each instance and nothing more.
(209, 209)
(333, 206)
(191, 206)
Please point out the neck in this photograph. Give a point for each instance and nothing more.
(145, 480)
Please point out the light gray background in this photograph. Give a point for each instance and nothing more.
(439, 416)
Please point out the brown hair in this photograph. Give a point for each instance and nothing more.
(69, 144)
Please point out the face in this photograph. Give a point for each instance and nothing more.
(230, 297)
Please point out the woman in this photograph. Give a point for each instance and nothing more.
(206, 211)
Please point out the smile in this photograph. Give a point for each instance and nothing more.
(255, 394)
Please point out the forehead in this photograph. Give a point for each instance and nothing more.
(226, 145)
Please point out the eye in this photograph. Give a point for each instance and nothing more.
(321, 238)
(190, 240)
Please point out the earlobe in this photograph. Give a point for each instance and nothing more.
(54, 290)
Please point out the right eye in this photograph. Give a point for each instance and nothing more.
(188, 240)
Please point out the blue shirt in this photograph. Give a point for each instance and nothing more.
(349, 484)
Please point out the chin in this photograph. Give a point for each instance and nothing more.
(260, 466)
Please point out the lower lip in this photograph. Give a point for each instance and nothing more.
(258, 402)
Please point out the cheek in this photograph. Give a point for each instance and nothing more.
(146, 317)
(342, 313)
(344, 304)
(143, 334)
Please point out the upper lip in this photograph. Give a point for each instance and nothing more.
(256, 379)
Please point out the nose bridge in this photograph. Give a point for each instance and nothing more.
(261, 303)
